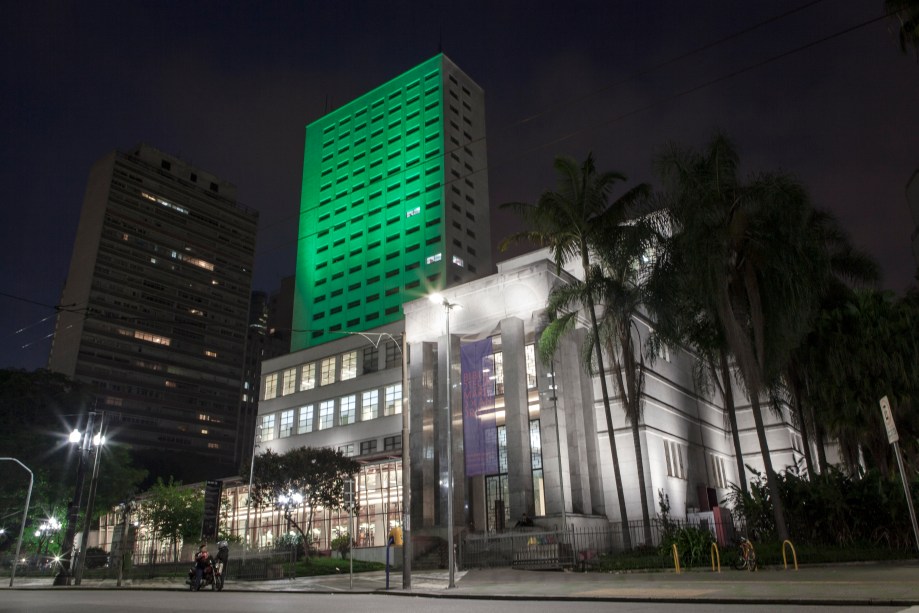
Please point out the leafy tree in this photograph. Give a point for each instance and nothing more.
(310, 476)
(173, 512)
(744, 244)
(570, 222)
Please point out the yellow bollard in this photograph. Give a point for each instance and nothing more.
(793, 554)
(715, 554)
(676, 559)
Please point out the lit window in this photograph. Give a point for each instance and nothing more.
(347, 410)
(413, 212)
(458, 260)
(210, 354)
(266, 428)
(165, 203)
(289, 385)
(271, 386)
(287, 423)
(305, 420)
(530, 352)
(308, 376)
(326, 414)
(369, 401)
(152, 338)
(498, 375)
(327, 371)
(392, 399)
(213, 445)
(348, 365)
(433, 258)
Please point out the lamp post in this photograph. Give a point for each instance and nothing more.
(25, 515)
(98, 440)
(258, 437)
(448, 307)
(73, 509)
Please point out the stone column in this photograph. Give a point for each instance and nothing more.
(517, 418)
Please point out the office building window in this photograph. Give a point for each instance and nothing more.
(287, 423)
(266, 428)
(289, 381)
(392, 399)
(393, 355)
(369, 401)
(271, 386)
(368, 447)
(348, 365)
(327, 371)
(392, 443)
(347, 450)
(308, 376)
(347, 410)
(326, 414)
(305, 420)
(371, 355)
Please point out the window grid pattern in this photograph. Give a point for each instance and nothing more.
(289, 382)
(348, 366)
(271, 386)
(392, 399)
(305, 420)
(327, 371)
(266, 428)
(369, 405)
(347, 410)
(287, 423)
(308, 377)
(326, 414)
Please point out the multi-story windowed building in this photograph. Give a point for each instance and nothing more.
(158, 298)
(394, 202)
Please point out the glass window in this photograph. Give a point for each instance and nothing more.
(392, 443)
(369, 401)
(271, 386)
(371, 355)
(674, 454)
(308, 376)
(289, 382)
(392, 399)
(368, 447)
(266, 428)
(393, 355)
(326, 414)
(347, 410)
(327, 371)
(499, 373)
(347, 450)
(530, 351)
(287, 423)
(535, 446)
(348, 365)
(305, 420)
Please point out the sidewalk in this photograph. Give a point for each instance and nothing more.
(840, 585)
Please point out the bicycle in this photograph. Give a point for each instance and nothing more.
(746, 556)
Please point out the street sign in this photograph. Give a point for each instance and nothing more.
(892, 436)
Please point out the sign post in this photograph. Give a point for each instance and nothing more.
(893, 437)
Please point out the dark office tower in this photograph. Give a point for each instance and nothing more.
(394, 202)
(159, 286)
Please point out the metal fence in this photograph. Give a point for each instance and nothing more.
(536, 548)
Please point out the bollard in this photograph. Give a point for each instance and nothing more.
(676, 559)
(715, 554)
(793, 554)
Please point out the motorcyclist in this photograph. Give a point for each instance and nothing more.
(202, 561)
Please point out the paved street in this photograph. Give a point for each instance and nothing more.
(869, 587)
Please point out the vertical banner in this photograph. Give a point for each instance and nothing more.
(209, 523)
(479, 429)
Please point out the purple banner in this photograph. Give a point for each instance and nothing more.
(480, 434)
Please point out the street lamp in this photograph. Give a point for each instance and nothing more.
(85, 440)
(448, 307)
(98, 440)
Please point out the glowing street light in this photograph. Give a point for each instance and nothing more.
(448, 307)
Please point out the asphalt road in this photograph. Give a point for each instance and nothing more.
(138, 601)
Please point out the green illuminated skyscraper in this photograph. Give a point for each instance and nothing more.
(394, 202)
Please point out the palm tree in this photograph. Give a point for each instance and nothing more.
(907, 13)
(743, 244)
(568, 222)
(615, 284)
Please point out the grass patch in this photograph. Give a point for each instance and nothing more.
(333, 566)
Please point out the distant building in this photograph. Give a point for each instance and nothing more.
(157, 302)
(394, 202)
(268, 336)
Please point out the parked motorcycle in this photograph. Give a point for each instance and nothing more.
(212, 572)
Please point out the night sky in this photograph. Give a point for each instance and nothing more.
(230, 86)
